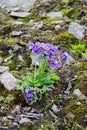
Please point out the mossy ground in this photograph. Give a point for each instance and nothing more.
(61, 38)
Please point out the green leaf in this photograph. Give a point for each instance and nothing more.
(1, 98)
(55, 78)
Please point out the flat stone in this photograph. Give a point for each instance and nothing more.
(79, 94)
(55, 14)
(24, 120)
(17, 5)
(17, 23)
(38, 25)
(17, 33)
(8, 81)
(70, 116)
(20, 14)
(77, 30)
(3, 69)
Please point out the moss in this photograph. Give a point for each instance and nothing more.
(76, 110)
(10, 41)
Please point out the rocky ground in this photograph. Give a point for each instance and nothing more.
(63, 23)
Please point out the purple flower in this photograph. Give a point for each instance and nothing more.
(41, 115)
(53, 64)
(63, 56)
(49, 89)
(55, 49)
(28, 90)
(37, 49)
(29, 96)
(49, 54)
(31, 46)
(59, 64)
(47, 46)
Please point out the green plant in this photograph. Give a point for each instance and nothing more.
(79, 47)
(1, 98)
(40, 81)
(10, 41)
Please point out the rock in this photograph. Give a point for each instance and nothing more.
(24, 120)
(52, 114)
(1, 60)
(10, 117)
(17, 5)
(31, 22)
(16, 33)
(45, 1)
(70, 59)
(85, 2)
(77, 30)
(20, 14)
(70, 116)
(3, 69)
(78, 103)
(58, 27)
(17, 23)
(8, 81)
(55, 108)
(38, 25)
(78, 94)
(55, 14)
(20, 58)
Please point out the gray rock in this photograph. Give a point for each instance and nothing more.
(38, 25)
(70, 116)
(17, 33)
(10, 117)
(24, 120)
(77, 30)
(16, 4)
(85, 2)
(31, 22)
(17, 23)
(1, 60)
(55, 14)
(3, 69)
(44, 1)
(78, 94)
(8, 81)
(55, 108)
(52, 114)
(58, 27)
(70, 59)
(20, 58)
(20, 14)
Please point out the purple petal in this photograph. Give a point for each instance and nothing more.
(41, 115)
(59, 64)
(49, 89)
(63, 56)
(53, 64)
(31, 46)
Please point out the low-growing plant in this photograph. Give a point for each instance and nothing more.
(79, 47)
(10, 41)
(46, 58)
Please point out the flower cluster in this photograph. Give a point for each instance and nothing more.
(29, 93)
(49, 52)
